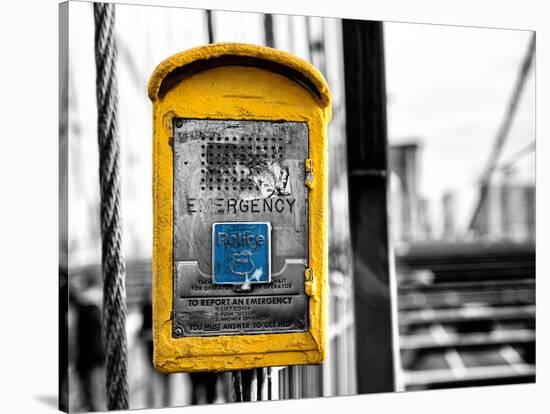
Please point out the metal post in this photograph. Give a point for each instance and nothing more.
(236, 386)
(209, 26)
(368, 175)
(250, 385)
(268, 28)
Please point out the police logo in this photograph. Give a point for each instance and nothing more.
(241, 253)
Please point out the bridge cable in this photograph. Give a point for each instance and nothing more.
(112, 258)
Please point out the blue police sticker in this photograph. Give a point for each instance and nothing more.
(241, 253)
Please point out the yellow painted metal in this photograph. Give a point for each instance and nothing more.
(248, 82)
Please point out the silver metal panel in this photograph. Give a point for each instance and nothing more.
(239, 171)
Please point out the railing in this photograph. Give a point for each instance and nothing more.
(467, 315)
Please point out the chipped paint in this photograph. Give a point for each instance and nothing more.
(275, 87)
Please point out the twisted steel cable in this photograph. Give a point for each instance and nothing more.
(113, 267)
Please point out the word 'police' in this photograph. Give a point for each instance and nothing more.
(240, 239)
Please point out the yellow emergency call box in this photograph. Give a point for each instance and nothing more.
(240, 209)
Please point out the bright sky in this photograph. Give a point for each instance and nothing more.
(448, 88)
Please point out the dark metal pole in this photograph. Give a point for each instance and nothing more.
(236, 385)
(209, 26)
(250, 385)
(368, 176)
(268, 27)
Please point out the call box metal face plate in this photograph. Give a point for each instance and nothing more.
(240, 217)
(241, 253)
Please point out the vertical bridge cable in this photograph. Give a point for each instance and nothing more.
(114, 291)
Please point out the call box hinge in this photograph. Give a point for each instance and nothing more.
(309, 286)
(309, 172)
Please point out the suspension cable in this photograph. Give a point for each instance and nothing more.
(113, 268)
